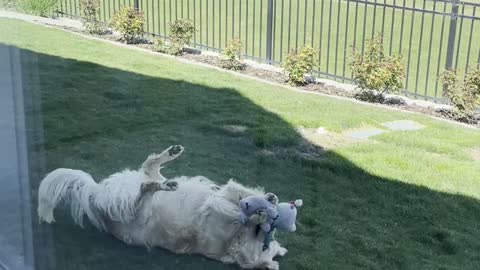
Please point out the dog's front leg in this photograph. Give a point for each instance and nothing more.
(266, 259)
(153, 186)
(251, 256)
(277, 249)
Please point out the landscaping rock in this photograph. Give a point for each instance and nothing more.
(394, 100)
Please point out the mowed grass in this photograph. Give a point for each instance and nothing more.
(331, 26)
(404, 200)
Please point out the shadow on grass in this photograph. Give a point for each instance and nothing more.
(101, 120)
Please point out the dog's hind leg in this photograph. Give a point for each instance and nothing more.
(151, 167)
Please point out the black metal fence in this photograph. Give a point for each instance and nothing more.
(431, 35)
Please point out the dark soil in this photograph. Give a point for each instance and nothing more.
(469, 119)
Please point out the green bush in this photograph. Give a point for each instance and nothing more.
(232, 64)
(95, 27)
(129, 22)
(464, 94)
(373, 70)
(43, 8)
(181, 32)
(233, 49)
(8, 4)
(91, 10)
(232, 52)
(298, 63)
(160, 45)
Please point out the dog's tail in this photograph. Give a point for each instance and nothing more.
(69, 187)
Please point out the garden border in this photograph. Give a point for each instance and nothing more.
(57, 24)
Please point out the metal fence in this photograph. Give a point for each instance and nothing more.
(431, 35)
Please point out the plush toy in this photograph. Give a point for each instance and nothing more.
(287, 215)
(265, 206)
(285, 221)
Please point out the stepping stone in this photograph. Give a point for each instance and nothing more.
(402, 125)
(235, 128)
(363, 133)
(323, 138)
(321, 130)
(476, 154)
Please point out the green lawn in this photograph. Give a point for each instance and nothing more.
(218, 21)
(403, 200)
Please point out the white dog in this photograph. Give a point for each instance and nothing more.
(183, 215)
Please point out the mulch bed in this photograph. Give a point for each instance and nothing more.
(279, 77)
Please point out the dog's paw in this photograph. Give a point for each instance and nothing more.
(282, 251)
(170, 185)
(151, 186)
(175, 150)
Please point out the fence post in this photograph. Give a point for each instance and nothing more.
(135, 4)
(451, 34)
(269, 31)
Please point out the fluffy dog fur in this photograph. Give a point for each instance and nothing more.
(183, 215)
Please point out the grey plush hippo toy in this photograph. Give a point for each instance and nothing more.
(271, 214)
(285, 221)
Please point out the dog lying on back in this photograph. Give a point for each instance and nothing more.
(184, 214)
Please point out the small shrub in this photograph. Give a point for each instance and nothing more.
(160, 45)
(297, 64)
(129, 22)
(376, 73)
(181, 32)
(232, 54)
(91, 10)
(8, 4)
(43, 8)
(464, 94)
(233, 49)
(232, 64)
(94, 28)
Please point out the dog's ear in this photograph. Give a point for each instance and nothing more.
(271, 198)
